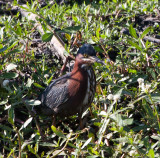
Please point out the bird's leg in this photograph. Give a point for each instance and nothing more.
(33, 114)
(39, 129)
(80, 120)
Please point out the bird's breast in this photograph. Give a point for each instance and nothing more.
(78, 84)
(83, 85)
(91, 87)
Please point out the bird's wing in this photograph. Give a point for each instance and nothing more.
(56, 93)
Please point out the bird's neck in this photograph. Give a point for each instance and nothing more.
(79, 70)
(80, 67)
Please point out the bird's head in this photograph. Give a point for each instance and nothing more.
(86, 55)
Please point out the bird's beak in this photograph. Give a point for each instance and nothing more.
(93, 59)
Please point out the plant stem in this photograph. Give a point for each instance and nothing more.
(19, 140)
(64, 146)
(156, 113)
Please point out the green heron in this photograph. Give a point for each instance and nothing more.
(74, 92)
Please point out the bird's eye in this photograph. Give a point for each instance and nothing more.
(85, 55)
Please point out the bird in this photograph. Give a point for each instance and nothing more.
(73, 92)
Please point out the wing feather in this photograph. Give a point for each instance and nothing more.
(56, 93)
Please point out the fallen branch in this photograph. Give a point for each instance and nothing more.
(151, 39)
(55, 41)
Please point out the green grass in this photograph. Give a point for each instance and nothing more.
(128, 126)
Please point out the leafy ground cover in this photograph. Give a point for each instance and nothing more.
(125, 120)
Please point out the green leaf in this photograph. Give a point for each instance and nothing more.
(155, 98)
(72, 145)
(132, 71)
(87, 9)
(11, 66)
(29, 83)
(145, 32)
(9, 75)
(134, 45)
(38, 85)
(136, 100)
(11, 115)
(15, 43)
(7, 128)
(97, 33)
(128, 92)
(66, 53)
(13, 52)
(70, 30)
(156, 137)
(151, 153)
(102, 129)
(138, 128)
(121, 121)
(30, 149)
(18, 31)
(1, 67)
(68, 37)
(3, 49)
(98, 49)
(103, 113)
(127, 122)
(152, 72)
(47, 144)
(57, 132)
(25, 8)
(4, 102)
(74, 18)
(119, 92)
(132, 32)
(94, 152)
(47, 37)
(26, 123)
(86, 143)
(50, 79)
(33, 102)
(25, 144)
(121, 139)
